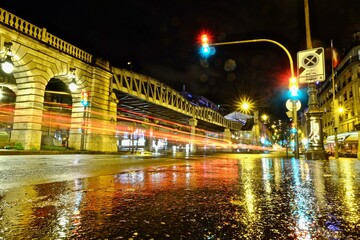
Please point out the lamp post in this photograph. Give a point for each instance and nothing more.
(315, 149)
(206, 46)
(335, 110)
(247, 106)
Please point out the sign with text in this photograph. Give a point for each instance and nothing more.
(311, 65)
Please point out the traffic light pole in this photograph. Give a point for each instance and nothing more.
(293, 80)
(261, 40)
(82, 140)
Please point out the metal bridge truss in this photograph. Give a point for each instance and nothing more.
(155, 97)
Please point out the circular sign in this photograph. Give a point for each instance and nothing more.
(310, 60)
(289, 105)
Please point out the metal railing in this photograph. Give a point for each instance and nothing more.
(155, 92)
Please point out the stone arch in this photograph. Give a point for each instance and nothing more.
(33, 73)
(56, 119)
(7, 106)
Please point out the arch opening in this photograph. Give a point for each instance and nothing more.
(56, 114)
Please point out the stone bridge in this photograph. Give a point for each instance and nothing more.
(46, 64)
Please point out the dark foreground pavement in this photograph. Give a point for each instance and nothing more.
(225, 196)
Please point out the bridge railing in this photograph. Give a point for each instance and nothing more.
(41, 34)
(153, 91)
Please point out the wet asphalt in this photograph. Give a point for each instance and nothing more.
(223, 196)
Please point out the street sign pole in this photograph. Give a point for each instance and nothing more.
(293, 106)
(311, 69)
(296, 137)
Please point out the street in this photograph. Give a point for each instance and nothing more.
(220, 196)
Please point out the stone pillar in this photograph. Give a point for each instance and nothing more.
(227, 137)
(192, 123)
(256, 131)
(28, 114)
(99, 119)
(149, 140)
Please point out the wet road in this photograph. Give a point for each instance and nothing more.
(214, 197)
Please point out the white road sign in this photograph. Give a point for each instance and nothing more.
(311, 65)
(290, 105)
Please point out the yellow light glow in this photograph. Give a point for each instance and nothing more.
(246, 105)
(341, 110)
(265, 117)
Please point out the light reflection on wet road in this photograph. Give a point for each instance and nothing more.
(216, 197)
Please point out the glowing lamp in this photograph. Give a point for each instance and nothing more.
(7, 65)
(72, 86)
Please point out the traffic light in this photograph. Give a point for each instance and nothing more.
(205, 49)
(293, 87)
(293, 128)
(84, 99)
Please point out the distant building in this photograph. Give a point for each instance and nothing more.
(250, 132)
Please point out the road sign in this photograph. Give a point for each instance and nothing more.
(289, 105)
(311, 65)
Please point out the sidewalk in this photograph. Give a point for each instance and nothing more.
(55, 152)
(333, 158)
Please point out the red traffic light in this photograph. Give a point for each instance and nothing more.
(204, 39)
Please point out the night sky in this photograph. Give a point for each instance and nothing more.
(160, 39)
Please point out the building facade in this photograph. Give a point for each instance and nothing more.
(346, 86)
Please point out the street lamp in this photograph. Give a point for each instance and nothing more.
(130, 64)
(247, 106)
(265, 118)
(72, 85)
(341, 110)
(7, 64)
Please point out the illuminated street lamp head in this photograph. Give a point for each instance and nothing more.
(264, 118)
(72, 85)
(7, 64)
(246, 105)
(341, 110)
